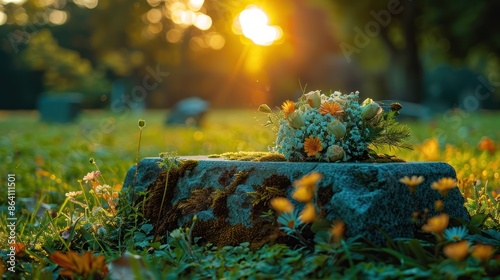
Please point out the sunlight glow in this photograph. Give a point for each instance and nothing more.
(58, 17)
(3, 18)
(18, 2)
(254, 24)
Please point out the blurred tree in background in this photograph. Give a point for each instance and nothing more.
(419, 51)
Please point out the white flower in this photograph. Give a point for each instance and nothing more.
(314, 99)
(336, 128)
(371, 110)
(334, 153)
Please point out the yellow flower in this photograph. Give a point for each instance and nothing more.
(436, 224)
(457, 251)
(306, 186)
(310, 180)
(337, 230)
(303, 194)
(332, 108)
(412, 182)
(438, 205)
(308, 214)
(482, 252)
(312, 146)
(282, 205)
(288, 107)
(444, 185)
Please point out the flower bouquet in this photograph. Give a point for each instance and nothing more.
(335, 127)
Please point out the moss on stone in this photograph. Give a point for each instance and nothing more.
(186, 165)
(271, 187)
(199, 200)
(251, 156)
(226, 177)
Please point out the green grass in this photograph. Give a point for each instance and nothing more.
(50, 159)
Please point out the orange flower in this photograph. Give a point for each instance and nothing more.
(436, 224)
(282, 205)
(306, 186)
(303, 194)
(486, 144)
(438, 205)
(337, 230)
(457, 251)
(332, 108)
(444, 185)
(288, 107)
(412, 182)
(308, 214)
(85, 265)
(482, 252)
(312, 146)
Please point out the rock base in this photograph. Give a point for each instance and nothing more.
(229, 197)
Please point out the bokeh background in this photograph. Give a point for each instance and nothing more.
(151, 54)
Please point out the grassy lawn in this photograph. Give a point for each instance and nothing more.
(48, 161)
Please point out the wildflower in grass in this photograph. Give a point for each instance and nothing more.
(91, 176)
(288, 107)
(75, 265)
(312, 146)
(337, 230)
(19, 249)
(444, 185)
(66, 234)
(412, 182)
(455, 234)
(436, 224)
(313, 98)
(281, 205)
(73, 194)
(457, 251)
(438, 205)
(486, 144)
(308, 214)
(332, 108)
(482, 252)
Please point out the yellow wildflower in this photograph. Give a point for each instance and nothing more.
(308, 214)
(288, 107)
(444, 185)
(436, 224)
(337, 230)
(412, 182)
(482, 252)
(457, 251)
(282, 205)
(438, 205)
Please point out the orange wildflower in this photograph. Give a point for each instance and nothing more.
(337, 230)
(308, 214)
(312, 146)
(438, 205)
(457, 251)
(444, 185)
(306, 187)
(282, 205)
(486, 144)
(482, 252)
(436, 224)
(412, 182)
(288, 107)
(303, 194)
(332, 108)
(75, 265)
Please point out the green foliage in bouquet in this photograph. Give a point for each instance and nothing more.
(335, 127)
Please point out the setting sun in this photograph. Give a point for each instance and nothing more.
(253, 23)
